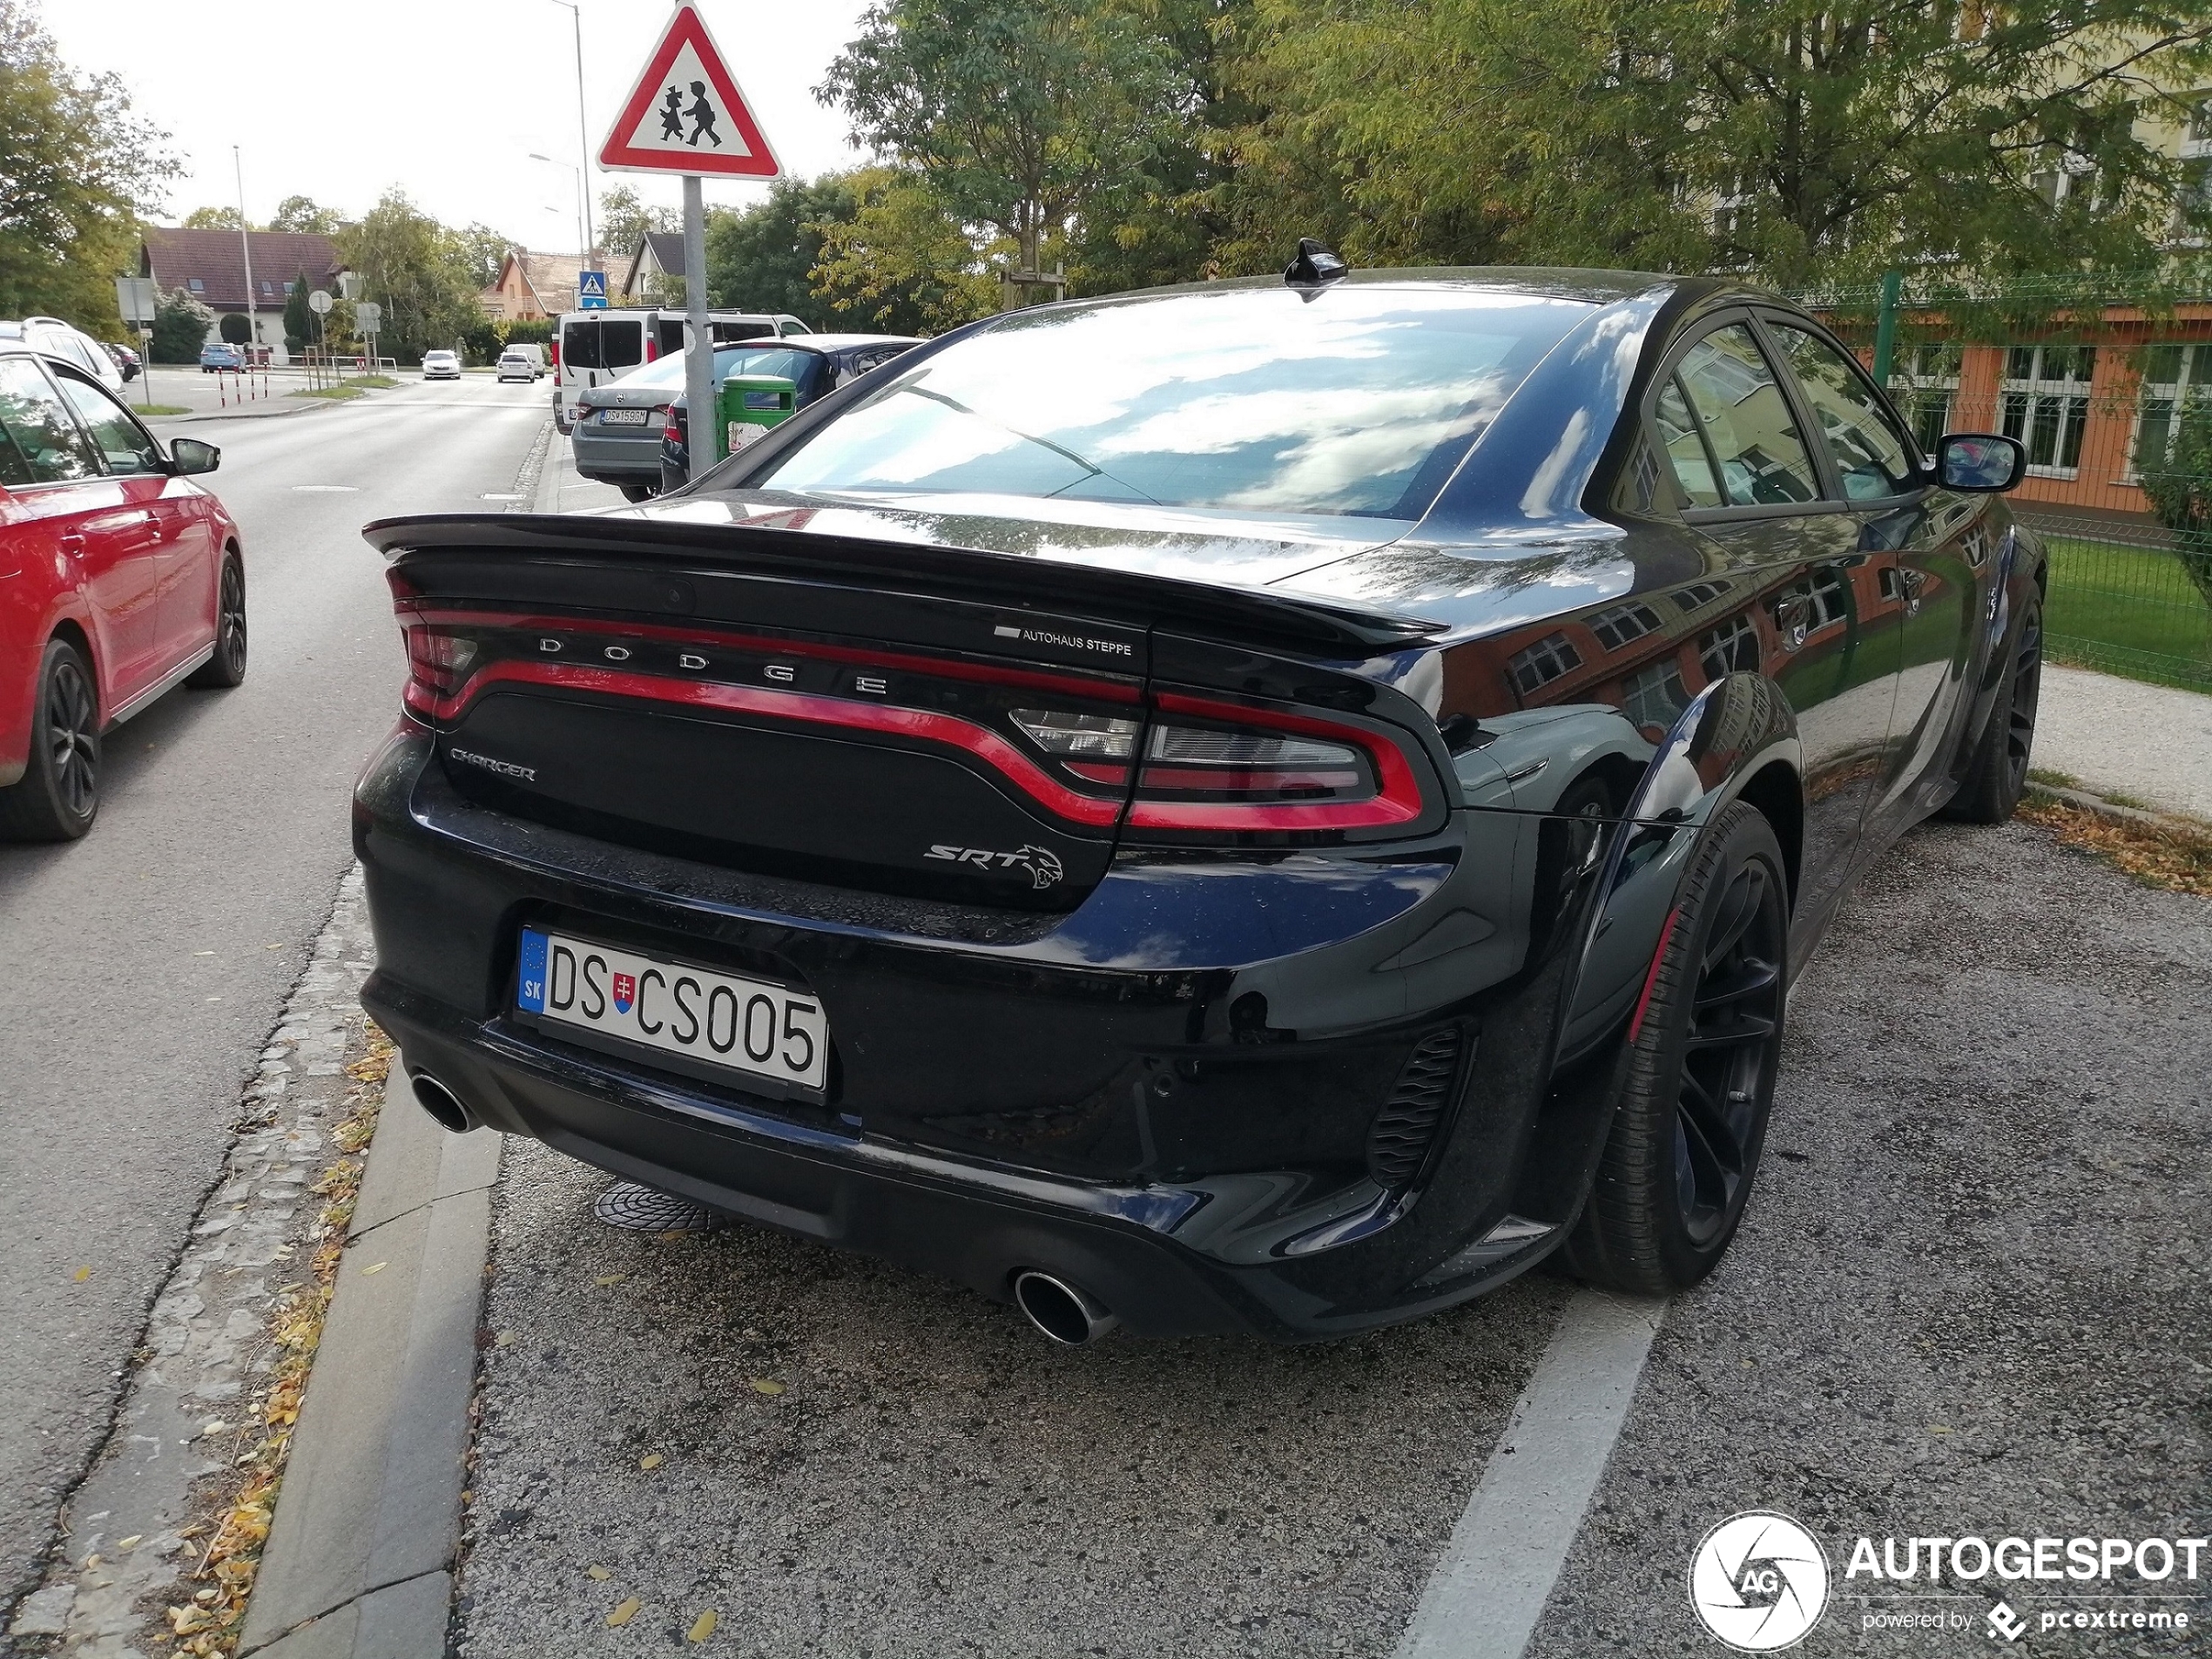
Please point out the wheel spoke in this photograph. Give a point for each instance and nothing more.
(1740, 909)
(1760, 979)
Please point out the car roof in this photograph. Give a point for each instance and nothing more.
(817, 342)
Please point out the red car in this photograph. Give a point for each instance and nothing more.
(119, 578)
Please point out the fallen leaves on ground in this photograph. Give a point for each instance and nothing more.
(595, 1571)
(625, 1610)
(764, 1386)
(650, 1461)
(703, 1627)
(2169, 854)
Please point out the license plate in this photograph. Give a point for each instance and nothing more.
(623, 417)
(746, 1026)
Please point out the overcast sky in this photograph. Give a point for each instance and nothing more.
(446, 98)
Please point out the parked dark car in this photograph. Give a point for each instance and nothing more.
(121, 577)
(126, 361)
(1269, 805)
(815, 364)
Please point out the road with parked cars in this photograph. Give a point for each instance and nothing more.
(146, 962)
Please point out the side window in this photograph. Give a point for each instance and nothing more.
(123, 443)
(1693, 468)
(1870, 456)
(1740, 406)
(33, 415)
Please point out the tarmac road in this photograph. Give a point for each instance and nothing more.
(145, 966)
(1969, 1299)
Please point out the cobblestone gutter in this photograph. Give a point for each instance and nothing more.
(144, 1520)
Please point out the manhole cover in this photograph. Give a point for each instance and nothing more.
(648, 1210)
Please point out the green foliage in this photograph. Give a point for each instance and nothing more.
(216, 219)
(419, 272)
(235, 328)
(901, 264)
(624, 218)
(299, 320)
(2181, 494)
(300, 213)
(180, 325)
(761, 258)
(1020, 115)
(76, 170)
(484, 250)
(537, 331)
(1798, 139)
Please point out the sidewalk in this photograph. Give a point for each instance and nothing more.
(2150, 743)
(561, 489)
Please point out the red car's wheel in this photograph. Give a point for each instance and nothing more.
(59, 795)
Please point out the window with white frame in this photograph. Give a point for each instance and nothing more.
(1730, 648)
(2173, 377)
(1617, 626)
(2046, 405)
(1654, 695)
(1542, 663)
(1732, 209)
(1923, 382)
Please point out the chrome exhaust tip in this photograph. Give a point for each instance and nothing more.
(1061, 1311)
(442, 1104)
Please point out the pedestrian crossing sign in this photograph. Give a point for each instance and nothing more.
(686, 114)
(592, 291)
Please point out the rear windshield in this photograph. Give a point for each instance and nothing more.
(1361, 400)
(608, 342)
(795, 365)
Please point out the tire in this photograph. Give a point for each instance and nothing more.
(1691, 1121)
(1997, 777)
(59, 795)
(639, 492)
(226, 667)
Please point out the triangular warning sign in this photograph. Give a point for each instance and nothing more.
(687, 114)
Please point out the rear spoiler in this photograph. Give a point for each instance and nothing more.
(1243, 615)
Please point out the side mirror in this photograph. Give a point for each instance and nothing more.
(188, 456)
(1980, 461)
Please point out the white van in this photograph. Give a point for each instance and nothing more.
(592, 347)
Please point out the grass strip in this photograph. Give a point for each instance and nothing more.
(335, 394)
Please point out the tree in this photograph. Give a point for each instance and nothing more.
(762, 258)
(625, 219)
(298, 318)
(1019, 115)
(75, 170)
(215, 219)
(300, 213)
(235, 328)
(1799, 139)
(2179, 492)
(180, 325)
(416, 270)
(902, 264)
(485, 251)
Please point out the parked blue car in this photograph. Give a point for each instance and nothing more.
(220, 355)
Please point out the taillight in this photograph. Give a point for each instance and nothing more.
(672, 430)
(438, 661)
(1222, 768)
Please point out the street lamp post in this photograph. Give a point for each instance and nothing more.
(582, 221)
(583, 138)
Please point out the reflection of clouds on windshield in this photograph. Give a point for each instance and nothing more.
(1249, 400)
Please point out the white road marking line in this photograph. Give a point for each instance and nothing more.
(1489, 1589)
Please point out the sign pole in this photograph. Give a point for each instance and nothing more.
(699, 361)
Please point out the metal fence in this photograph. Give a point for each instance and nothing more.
(2093, 382)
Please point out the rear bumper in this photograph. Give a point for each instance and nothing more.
(616, 461)
(1179, 1125)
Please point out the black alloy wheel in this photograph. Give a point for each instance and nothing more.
(227, 666)
(1691, 1121)
(1997, 777)
(59, 795)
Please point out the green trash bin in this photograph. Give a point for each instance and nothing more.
(748, 405)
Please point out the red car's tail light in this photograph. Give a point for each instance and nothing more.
(438, 660)
(1213, 766)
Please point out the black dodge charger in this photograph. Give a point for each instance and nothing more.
(1270, 805)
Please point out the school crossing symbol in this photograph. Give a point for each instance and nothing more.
(686, 114)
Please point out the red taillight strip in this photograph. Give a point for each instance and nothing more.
(980, 741)
(1399, 800)
(989, 673)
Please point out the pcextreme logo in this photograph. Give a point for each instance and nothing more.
(1759, 1582)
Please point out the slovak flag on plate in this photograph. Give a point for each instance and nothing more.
(625, 992)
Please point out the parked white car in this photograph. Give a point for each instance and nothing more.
(73, 346)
